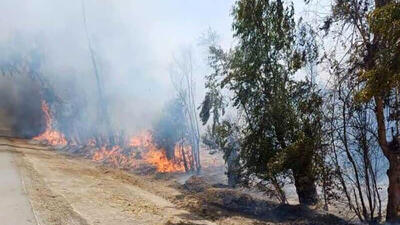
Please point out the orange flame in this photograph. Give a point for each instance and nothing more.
(149, 152)
(50, 135)
(123, 157)
(143, 140)
(158, 158)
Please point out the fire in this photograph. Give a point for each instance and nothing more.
(158, 158)
(139, 149)
(148, 151)
(50, 135)
(143, 140)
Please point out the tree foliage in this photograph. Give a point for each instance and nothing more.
(384, 75)
(277, 116)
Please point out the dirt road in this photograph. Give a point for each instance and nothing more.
(66, 190)
(14, 205)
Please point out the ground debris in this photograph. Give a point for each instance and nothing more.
(197, 184)
(223, 204)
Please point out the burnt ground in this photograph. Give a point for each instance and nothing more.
(65, 189)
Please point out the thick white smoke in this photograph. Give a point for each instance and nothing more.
(133, 41)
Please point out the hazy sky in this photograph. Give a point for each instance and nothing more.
(134, 43)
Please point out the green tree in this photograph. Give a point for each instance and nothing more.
(369, 31)
(280, 132)
(382, 76)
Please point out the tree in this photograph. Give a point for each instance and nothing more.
(382, 80)
(280, 116)
(369, 32)
(182, 77)
(104, 127)
(304, 156)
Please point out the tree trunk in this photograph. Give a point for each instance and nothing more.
(304, 179)
(184, 159)
(305, 188)
(233, 168)
(393, 205)
(392, 153)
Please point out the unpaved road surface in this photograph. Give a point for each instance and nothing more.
(15, 208)
(42, 186)
(65, 191)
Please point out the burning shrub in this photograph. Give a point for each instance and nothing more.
(139, 153)
(165, 149)
(171, 128)
(171, 134)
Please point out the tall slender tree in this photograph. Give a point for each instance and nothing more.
(182, 77)
(104, 125)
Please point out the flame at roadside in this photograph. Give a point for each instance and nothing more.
(143, 148)
(139, 150)
(157, 156)
(50, 135)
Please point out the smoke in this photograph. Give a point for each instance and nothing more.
(20, 110)
(133, 42)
